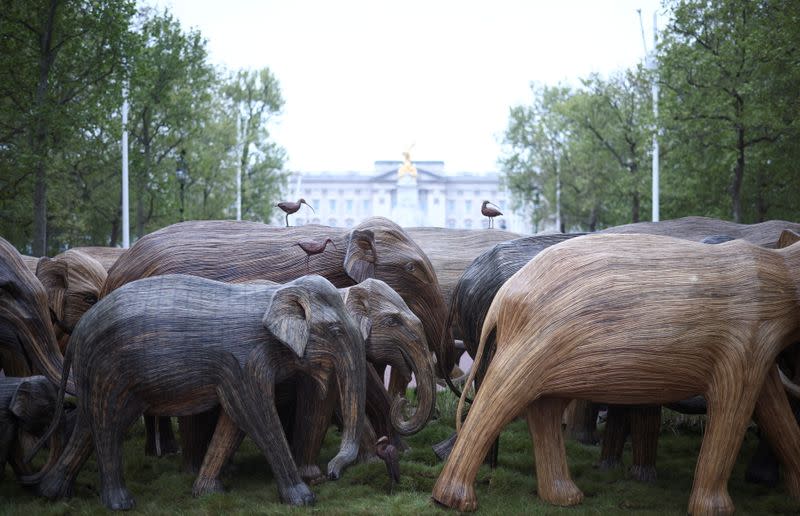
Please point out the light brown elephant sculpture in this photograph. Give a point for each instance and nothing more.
(612, 320)
(73, 281)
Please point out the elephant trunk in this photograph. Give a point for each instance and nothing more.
(351, 377)
(431, 310)
(43, 352)
(418, 359)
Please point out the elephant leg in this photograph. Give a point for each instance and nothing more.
(247, 395)
(554, 484)
(196, 433)
(763, 467)
(618, 423)
(225, 441)
(366, 449)
(487, 417)
(582, 422)
(378, 408)
(110, 420)
(730, 405)
(59, 478)
(312, 419)
(775, 419)
(645, 427)
(159, 437)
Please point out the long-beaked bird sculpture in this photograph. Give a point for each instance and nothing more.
(290, 207)
(491, 213)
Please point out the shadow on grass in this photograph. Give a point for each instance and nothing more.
(161, 487)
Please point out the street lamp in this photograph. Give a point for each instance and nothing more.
(182, 174)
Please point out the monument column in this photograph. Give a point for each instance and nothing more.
(406, 213)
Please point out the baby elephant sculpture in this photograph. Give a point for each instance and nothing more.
(27, 405)
(180, 345)
(612, 321)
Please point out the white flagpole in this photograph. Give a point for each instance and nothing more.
(126, 237)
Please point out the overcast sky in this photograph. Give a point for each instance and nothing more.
(364, 80)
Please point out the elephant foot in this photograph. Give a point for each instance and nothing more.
(561, 492)
(311, 473)
(298, 494)
(54, 485)
(710, 502)
(204, 486)
(117, 499)
(343, 459)
(442, 449)
(643, 473)
(459, 496)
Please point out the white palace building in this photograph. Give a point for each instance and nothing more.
(411, 193)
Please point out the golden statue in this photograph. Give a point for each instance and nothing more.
(408, 169)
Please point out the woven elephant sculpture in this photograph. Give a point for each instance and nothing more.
(611, 321)
(180, 345)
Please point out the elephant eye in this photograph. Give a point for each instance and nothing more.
(410, 267)
(90, 298)
(392, 320)
(336, 330)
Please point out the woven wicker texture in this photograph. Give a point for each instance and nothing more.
(612, 321)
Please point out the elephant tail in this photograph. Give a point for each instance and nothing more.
(489, 324)
(62, 389)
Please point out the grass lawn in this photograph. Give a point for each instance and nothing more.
(160, 486)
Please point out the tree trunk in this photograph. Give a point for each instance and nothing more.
(141, 179)
(738, 172)
(39, 133)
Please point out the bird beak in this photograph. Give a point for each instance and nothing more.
(312, 208)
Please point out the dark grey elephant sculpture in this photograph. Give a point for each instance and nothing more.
(394, 336)
(237, 251)
(27, 341)
(475, 291)
(181, 345)
(27, 405)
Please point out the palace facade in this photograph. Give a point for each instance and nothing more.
(411, 193)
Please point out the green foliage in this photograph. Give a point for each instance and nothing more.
(161, 487)
(60, 125)
(728, 126)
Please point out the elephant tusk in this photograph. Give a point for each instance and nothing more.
(791, 387)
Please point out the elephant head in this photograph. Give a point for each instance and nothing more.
(26, 407)
(395, 337)
(378, 248)
(27, 340)
(73, 281)
(309, 317)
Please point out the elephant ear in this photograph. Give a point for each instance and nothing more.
(33, 404)
(360, 257)
(787, 238)
(288, 318)
(53, 274)
(357, 304)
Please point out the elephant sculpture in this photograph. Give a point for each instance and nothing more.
(611, 321)
(394, 336)
(27, 405)
(237, 251)
(765, 234)
(106, 256)
(28, 343)
(474, 292)
(181, 345)
(73, 281)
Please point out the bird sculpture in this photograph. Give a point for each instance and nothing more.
(490, 212)
(388, 452)
(311, 247)
(290, 207)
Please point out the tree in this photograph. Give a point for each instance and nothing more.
(54, 55)
(730, 87)
(170, 88)
(255, 97)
